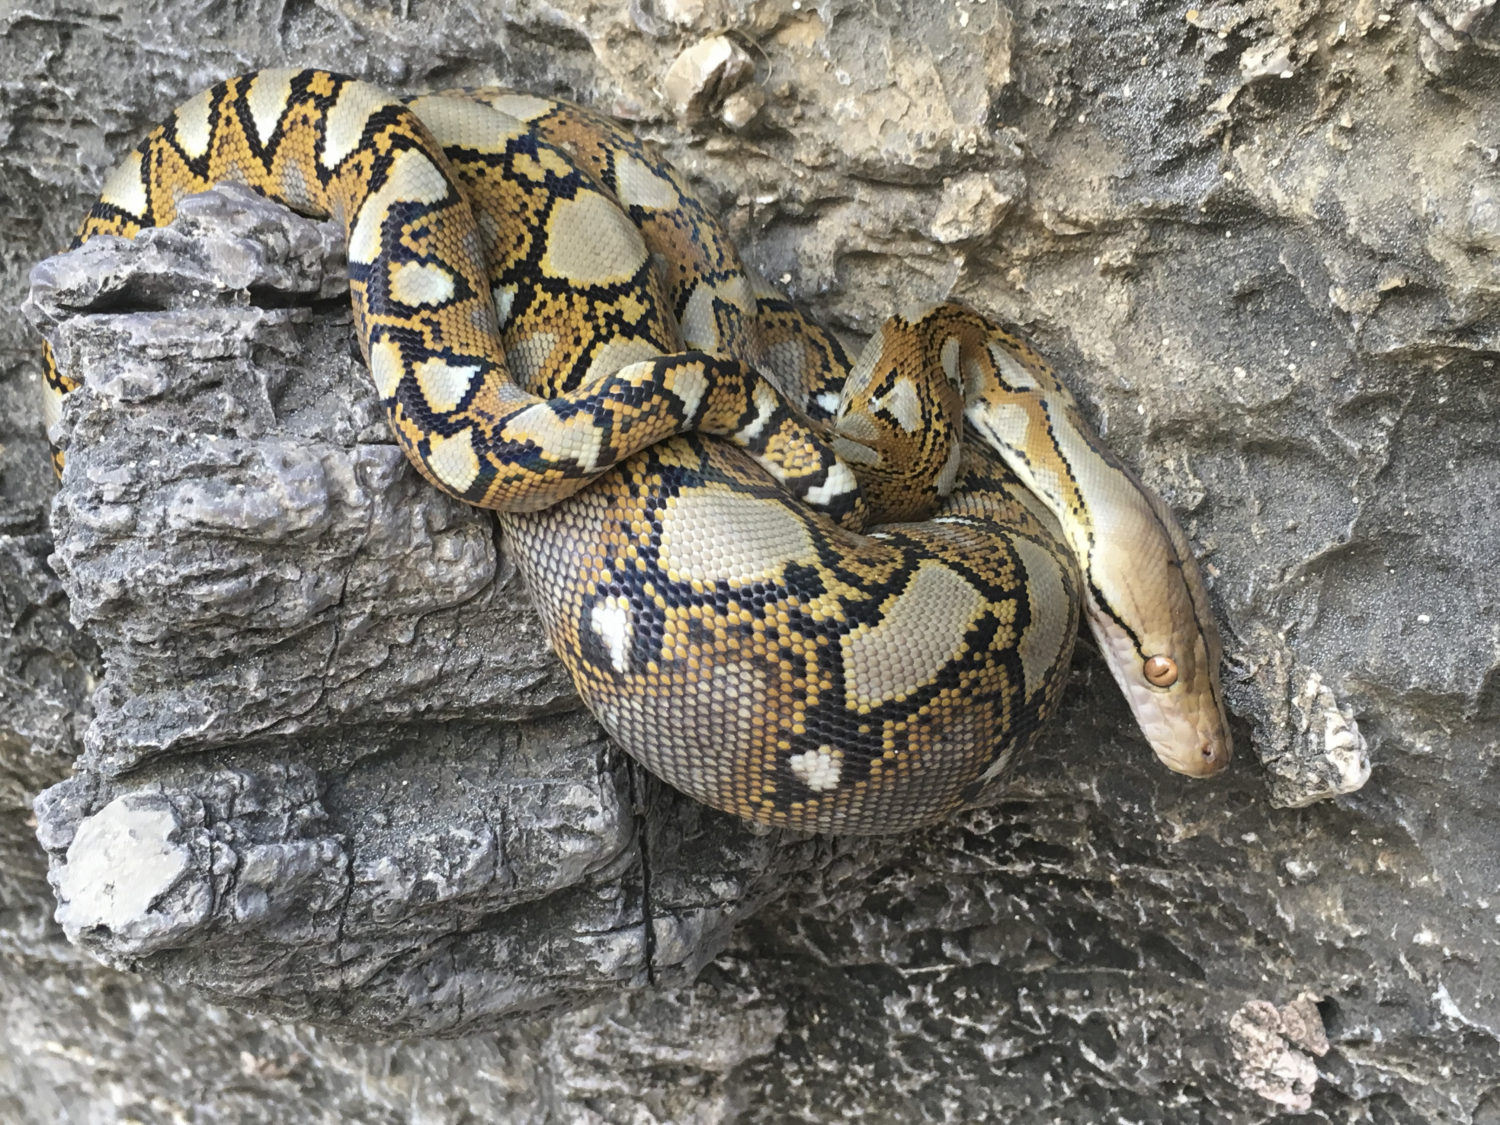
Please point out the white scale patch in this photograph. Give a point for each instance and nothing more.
(523, 107)
(611, 624)
(413, 179)
(616, 355)
(973, 375)
(710, 536)
(297, 190)
(1115, 508)
(949, 472)
(700, 328)
(386, 367)
(920, 631)
(1045, 638)
(903, 404)
(528, 355)
(345, 123)
(864, 367)
(590, 241)
(840, 480)
(190, 124)
(453, 121)
(1012, 372)
(52, 404)
(421, 283)
(504, 297)
(125, 189)
(765, 406)
(453, 459)
(856, 425)
(998, 766)
(689, 384)
(1006, 425)
(949, 358)
(786, 362)
(818, 769)
(267, 99)
(829, 401)
(639, 185)
(444, 384)
(853, 451)
(577, 439)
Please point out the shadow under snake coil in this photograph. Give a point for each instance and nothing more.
(785, 582)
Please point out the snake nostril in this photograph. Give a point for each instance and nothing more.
(1213, 757)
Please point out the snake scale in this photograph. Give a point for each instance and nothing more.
(816, 592)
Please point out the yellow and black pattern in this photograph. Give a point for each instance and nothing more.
(418, 279)
(791, 672)
(720, 306)
(801, 596)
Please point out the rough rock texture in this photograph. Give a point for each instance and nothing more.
(327, 775)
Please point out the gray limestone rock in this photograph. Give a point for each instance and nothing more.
(304, 762)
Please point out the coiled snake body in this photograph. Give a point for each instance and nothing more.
(782, 580)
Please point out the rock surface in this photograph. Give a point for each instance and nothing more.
(304, 762)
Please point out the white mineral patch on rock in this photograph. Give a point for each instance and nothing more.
(123, 861)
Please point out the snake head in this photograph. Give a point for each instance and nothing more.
(1148, 610)
(1174, 694)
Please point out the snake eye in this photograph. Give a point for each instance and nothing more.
(1160, 670)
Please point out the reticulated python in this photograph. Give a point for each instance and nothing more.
(782, 580)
